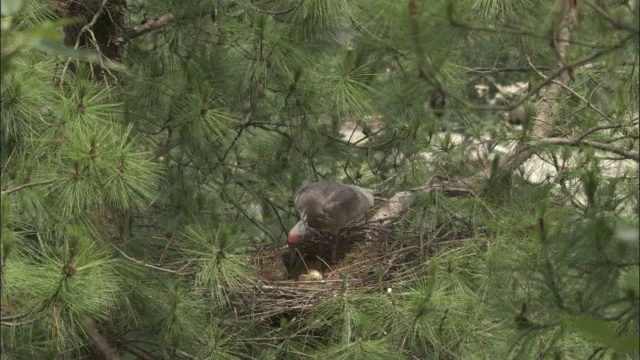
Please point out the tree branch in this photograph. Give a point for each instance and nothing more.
(109, 352)
(593, 144)
(150, 25)
(143, 263)
(617, 24)
(139, 353)
(543, 120)
(28, 185)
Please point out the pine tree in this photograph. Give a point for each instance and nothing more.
(151, 151)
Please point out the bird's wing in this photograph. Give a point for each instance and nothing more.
(345, 205)
(331, 206)
(309, 203)
(368, 194)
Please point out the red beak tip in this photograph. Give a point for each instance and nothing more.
(293, 240)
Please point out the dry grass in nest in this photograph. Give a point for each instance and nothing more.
(361, 265)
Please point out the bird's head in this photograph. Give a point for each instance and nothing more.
(297, 234)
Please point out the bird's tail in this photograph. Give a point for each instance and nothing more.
(368, 193)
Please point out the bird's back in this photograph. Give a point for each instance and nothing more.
(330, 206)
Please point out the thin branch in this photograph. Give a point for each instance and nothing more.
(278, 12)
(581, 98)
(28, 185)
(593, 144)
(543, 120)
(617, 24)
(143, 263)
(535, 89)
(510, 31)
(489, 71)
(243, 127)
(600, 128)
(275, 210)
(424, 72)
(79, 38)
(139, 353)
(109, 352)
(150, 25)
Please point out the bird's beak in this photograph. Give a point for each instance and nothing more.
(294, 239)
(296, 234)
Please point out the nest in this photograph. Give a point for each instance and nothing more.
(366, 260)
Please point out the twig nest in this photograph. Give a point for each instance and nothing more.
(312, 275)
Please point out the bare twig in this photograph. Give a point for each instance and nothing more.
(79, 38)
(143, 263)
(150, 25)
(581, 98)
(25, 186)
(109, 352)
(593, 144)
(275, 12)
(247, 121)
(543, 120)
(137, 352)
(617, 24)
(600, 128)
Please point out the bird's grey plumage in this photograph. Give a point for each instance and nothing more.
(328, 206)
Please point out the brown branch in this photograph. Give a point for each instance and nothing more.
(28, 185)
(550, 89)
(489, 71)
(594, 144)
(275, 12)
(109, 352)
(86, 27)
(617, 24)
(247, 122)
(600, 128)
(424, 71)
(581, 98)
(568, 67)
(143, 263)
(540, 85)
(139, 353)
(150, 25)
(91, 23)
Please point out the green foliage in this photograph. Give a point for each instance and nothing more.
(148, 205)
(371, 349)
(223, 268)
(55, 288)
(599, 331)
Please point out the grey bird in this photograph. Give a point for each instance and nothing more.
(328, 206)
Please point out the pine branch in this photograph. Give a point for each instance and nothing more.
(85, 28)
(600, 128)
(581, 98)
(247, 122)
(489, 71)
(139, 353)
(593, 144)
(275, 12)
(617, 24)
(101, 341)
(28, 185)
(143, 263)
(549, 80)
(150, 25)
(543, 121)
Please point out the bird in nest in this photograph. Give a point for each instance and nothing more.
(328, 206)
